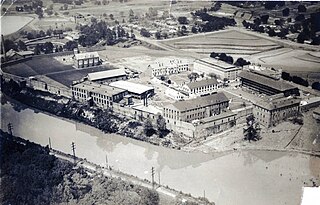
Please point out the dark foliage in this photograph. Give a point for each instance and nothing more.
(252, 131)
(183, 20)
(316, 85)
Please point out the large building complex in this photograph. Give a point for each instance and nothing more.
(197, 108)
(168, 66)
(217, 67)
(201, 87)
(276, 108)
(102, 95)
(83, 60)
(266, 84)
(107, 76)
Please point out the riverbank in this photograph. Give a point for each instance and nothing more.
(87, 178)
(104, 120)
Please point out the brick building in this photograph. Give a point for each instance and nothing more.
(275, 109)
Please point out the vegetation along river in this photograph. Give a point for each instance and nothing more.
(240, 177)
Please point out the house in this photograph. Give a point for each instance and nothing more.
(197, 108)
(99, 94)
(275, 108)
(138, 91)
(169, 65)
(89, 59)
(107, 76)
(201, 87)
(213, 66)
(266, 84)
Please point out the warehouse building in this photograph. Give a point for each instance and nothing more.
(213, 66)
(107, 76)
(269, 85)
(138, 91)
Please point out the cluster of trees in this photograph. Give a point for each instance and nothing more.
(91, 34)
(46, 48)
(38, 34)
(30, 175)
(70, 45)
(295, 79)
(228, 59)
(160, 128)
(9, 44)
(252, 131)
(144, 32)
(213, 23)
(316, 85)
(223, 57)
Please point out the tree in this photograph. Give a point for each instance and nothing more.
(183, 20)
(194, 29)
(301, 37)
(316, 85)
(111, 16)
(264, 18)
(286, 12)
(214, 54)
(302, 8)
(193, 76)
(9, 44)
(22, 45)
(212, 75)
(161, 125)
(252, 131)
(144, 32)
(286, 76)
(131, 14)
(148, 128)
(48, 47)
(165, 14)
(37, 49)
(158, 35)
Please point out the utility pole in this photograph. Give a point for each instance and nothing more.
(159, 178)
(50, 143)
(107, 161)
(10, 128)
(152, 174)
(73, 146)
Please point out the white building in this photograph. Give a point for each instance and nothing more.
(169, 65)
(201, 87)
(220, 68)
(108, 76)
(89, 59)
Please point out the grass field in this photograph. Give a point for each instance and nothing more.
(227, 41)
(12, 24)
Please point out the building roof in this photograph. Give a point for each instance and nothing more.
(280, 85)
(202, 83)
(131, 87)
(25, 53)
(276, 101)
(98, 88)
(222, 115)
(169, 61)
(106, 74)
(200, 102)
(215, 63)
(79, 56)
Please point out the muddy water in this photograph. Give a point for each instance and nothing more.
(244, 177)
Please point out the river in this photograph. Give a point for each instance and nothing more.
(242, 177)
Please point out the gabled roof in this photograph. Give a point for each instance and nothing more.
(276, 102)
(131, 87)
(202, 83)
(270, 82)
(98, 88)
(199, 102)
(106, 74)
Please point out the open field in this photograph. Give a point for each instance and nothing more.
(12, 24)
(227, 41)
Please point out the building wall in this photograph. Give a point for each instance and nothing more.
(269, 118)
(87, 62)
(194, 114)
(43, 86)
(110, 80)
(200, 90)
(199, 67)
(216, 126)
(169, 69)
